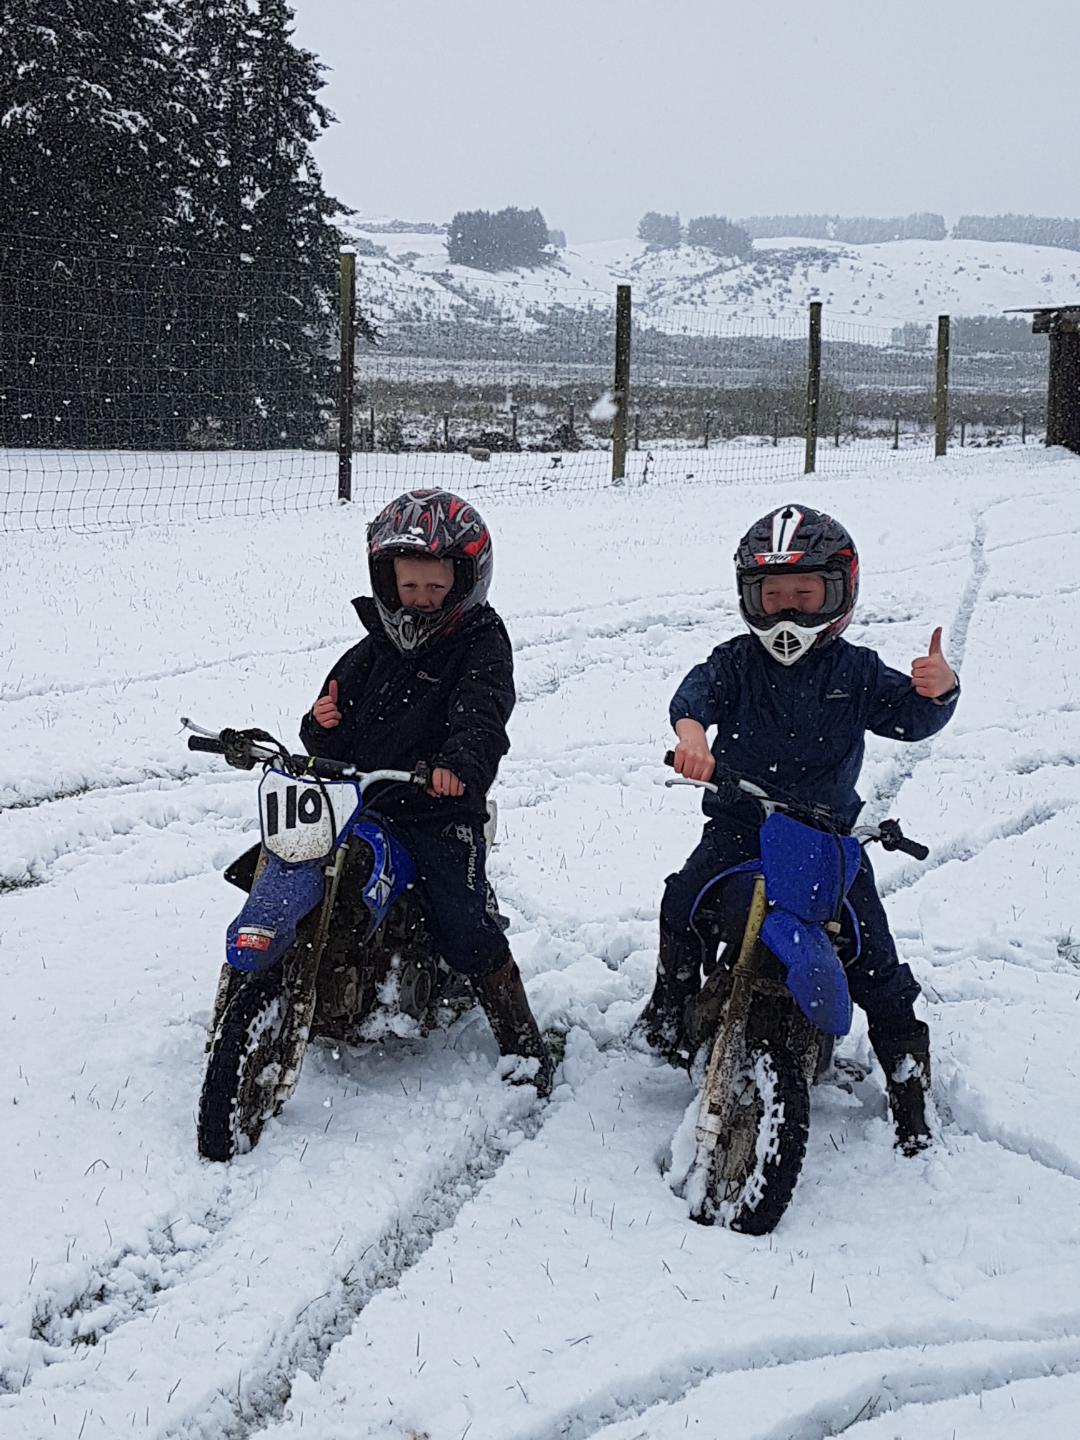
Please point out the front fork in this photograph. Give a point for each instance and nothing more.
(301, 981)
(729, 1048)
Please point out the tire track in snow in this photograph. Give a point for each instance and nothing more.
(159, 778)
(962, 849)
(903, 767)
(33, 857)
(260, 1397)
(929, 1376)
(594, 628)
(116, 1291)
(74, 1328)
(969, 1113)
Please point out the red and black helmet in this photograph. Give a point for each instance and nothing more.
(796, 538)
(440, 525)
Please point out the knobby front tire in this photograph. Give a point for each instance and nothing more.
(756, 1165)
(243, 1068)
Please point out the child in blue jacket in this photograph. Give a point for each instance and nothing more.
(791, 702)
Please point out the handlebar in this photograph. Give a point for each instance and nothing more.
(244, 749)
(728, 786)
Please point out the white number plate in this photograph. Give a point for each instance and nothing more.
(297, 821)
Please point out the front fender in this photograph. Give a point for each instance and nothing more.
(266, 926)
(814, 974)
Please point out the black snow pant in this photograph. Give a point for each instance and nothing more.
(459, 903)
(879, 982)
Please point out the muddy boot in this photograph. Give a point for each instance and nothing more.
(678, 979)
(502, 994)
(906, 1062)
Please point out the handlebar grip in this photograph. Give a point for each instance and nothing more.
(669, 758)
(203, 742)
(914, 849)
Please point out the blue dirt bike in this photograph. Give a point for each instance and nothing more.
(774, 999)
(330, 942)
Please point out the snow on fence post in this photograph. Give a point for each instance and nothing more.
(345, 378)
(621, 389)
(813, 387)
(941, 389)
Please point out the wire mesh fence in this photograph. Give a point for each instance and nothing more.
(139, 385)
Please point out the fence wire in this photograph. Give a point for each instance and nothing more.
(145, 386)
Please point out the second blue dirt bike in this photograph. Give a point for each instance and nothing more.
(775, 998)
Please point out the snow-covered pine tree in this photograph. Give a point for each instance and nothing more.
(94, 149)
(262, 348)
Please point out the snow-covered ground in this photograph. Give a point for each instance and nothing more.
(414, 1251)
(875, 285)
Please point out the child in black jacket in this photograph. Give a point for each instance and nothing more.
(791, 703)
(433, 681)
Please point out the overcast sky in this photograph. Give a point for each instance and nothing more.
(597, 110)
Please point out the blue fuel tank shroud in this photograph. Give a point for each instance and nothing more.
(393, 869)
(807, 876)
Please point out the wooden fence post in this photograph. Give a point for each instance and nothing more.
(346, 375)
(621, 390)
(941, 389)
(813, 387)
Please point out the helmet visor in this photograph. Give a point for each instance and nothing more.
(752, 582)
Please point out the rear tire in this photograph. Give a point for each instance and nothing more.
(756, 1165)
(243, 1068)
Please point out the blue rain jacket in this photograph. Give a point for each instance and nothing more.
(800, 728)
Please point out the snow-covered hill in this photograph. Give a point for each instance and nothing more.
(880, 286)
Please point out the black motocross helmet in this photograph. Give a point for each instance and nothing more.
(796, 538)
(440, 525)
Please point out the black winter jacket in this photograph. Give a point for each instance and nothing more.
(448, 704)
(799, 728)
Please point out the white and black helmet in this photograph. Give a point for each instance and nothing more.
(797, 539)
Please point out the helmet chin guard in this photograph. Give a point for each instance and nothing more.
(788, 640)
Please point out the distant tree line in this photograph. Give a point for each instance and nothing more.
(509, 239)
(174, 272)
(710, 232)
(1021, 229)
(850, 229)
(870, 230)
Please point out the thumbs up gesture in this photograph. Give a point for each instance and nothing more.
(326, 710)
(931, 674)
